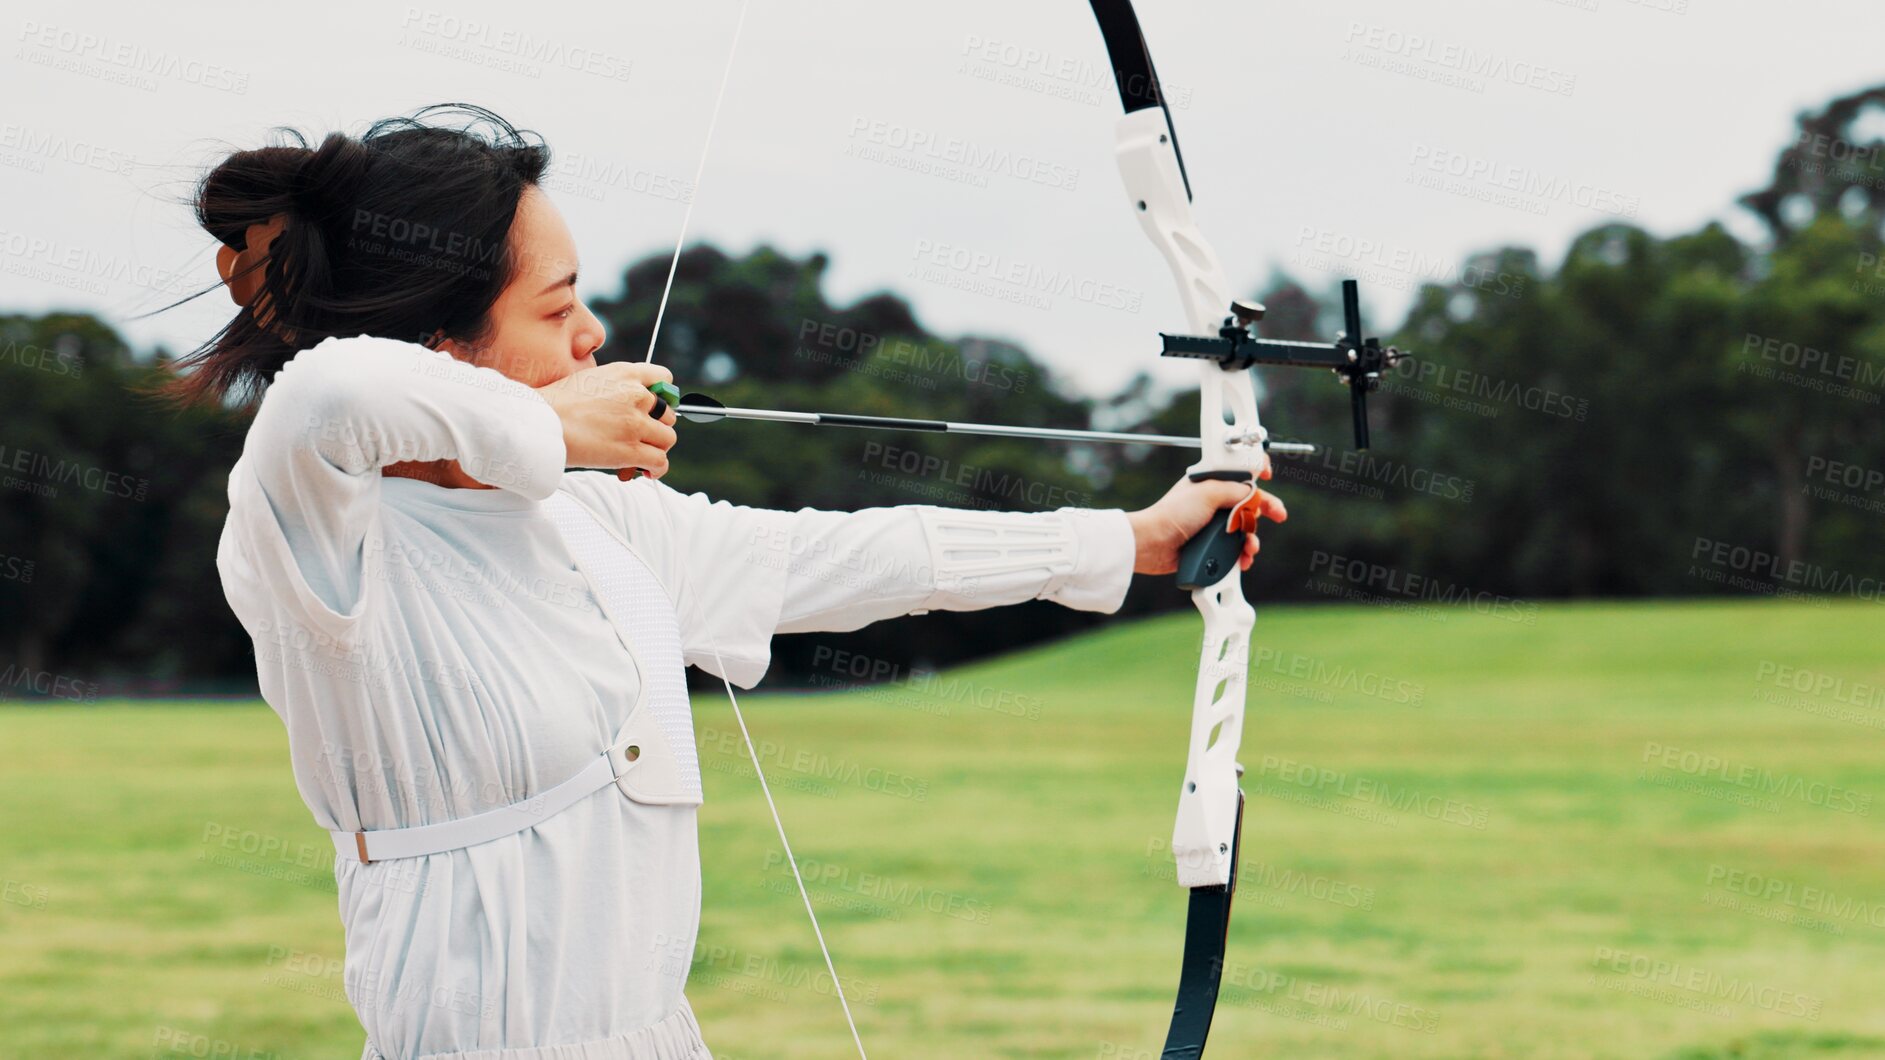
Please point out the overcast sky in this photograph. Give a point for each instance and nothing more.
(1388, 140)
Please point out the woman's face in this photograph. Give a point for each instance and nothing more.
(540, 331)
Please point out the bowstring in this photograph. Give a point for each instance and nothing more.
(752, 752)
(700, 168)
(790, 858)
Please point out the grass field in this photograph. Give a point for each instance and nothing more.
(1614, 831)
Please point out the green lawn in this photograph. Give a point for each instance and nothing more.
(1611, 831)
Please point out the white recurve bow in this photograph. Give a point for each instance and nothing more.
(1205, 837)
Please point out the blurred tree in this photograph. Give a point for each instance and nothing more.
(116, 501)
(1835, 167)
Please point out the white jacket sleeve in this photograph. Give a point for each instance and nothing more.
(304, 497)
(740, 575)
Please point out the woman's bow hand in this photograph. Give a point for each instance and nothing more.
(1188, 507)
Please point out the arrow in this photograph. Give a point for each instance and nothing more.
(699, 408)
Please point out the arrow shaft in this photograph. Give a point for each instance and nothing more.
(997, 430)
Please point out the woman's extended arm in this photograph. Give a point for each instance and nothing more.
(748, 574)
(740, 575)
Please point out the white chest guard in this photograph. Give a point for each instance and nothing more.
(653, 758)
(667, 772)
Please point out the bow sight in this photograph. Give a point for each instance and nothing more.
(1358, 361)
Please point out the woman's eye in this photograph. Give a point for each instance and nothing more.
(563, 314)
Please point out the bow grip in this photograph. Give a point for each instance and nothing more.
(1214, 552)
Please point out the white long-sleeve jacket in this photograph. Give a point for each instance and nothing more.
(434, 653)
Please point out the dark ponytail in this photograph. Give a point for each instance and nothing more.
(402, 233)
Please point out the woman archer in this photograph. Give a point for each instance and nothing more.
(476, 651)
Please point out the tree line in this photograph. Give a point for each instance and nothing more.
(1650, 416)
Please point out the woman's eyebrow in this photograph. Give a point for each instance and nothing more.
(567, 281)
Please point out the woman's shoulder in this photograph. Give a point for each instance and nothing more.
(365, 341)
(348, 347)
